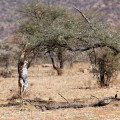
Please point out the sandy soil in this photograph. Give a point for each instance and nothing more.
(77, 84)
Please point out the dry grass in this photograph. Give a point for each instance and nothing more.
(76, 84)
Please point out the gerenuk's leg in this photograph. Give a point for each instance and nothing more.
(25, 85)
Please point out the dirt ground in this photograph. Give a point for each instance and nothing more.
(77, 84)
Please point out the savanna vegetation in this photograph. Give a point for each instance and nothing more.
(60, 34)
(55, 32)
(55, 40)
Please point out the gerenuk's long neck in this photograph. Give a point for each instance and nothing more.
(23, 53)
(25, 64)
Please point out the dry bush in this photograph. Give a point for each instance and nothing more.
(105, 65)
(6, 73)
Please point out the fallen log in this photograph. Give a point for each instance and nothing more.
(99, 103)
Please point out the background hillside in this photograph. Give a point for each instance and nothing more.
(108, 9)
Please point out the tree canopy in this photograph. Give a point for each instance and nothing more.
(55, 30)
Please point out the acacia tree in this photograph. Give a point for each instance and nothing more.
(103, 45)
(50, 30)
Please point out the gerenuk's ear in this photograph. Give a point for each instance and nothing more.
(26, 61)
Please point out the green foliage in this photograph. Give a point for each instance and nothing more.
(100, 33)
(48, 27)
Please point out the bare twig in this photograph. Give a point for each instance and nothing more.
(95, 97)
(83, 15)
(64, 98)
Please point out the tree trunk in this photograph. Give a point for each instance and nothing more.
(59, 71)
(102, 79)
(57, 68)
(60, 57)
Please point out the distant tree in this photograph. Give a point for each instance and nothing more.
(7, 56)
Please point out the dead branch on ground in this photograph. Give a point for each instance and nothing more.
(99, 103)
(46, 105)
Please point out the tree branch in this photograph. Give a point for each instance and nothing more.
(97, 45)
(53, 62)
(83, 15)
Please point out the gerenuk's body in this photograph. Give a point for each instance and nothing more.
(23, 73)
